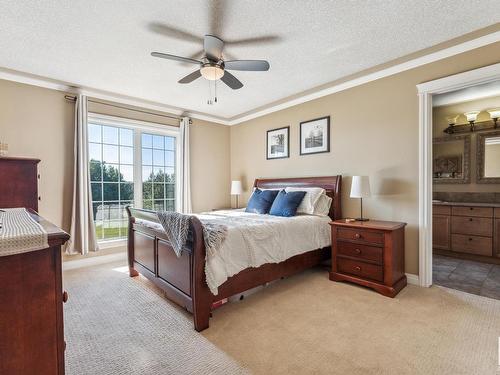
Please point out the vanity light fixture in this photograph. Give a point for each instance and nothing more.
(451, 120)
(494, 114)
(471, 117)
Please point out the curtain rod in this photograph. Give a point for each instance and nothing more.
(73, 99)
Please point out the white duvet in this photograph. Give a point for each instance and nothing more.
(254, 239)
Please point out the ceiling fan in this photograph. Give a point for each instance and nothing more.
(212, 65)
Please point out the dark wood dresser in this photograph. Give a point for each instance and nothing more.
(369, 253)
(31, 308)
(19, 182)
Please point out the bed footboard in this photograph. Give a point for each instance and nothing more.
(181, 278)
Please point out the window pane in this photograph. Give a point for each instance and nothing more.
(170, 190)
(126, 155)
(169, 143)
(147, 174)
(147, 204)
(111, 229)
(126, 137)
(127, 173)
(96, 191)
(158, 191)
(123, 205)
(147, 140)
(110, 192)
(95, 133)
(159, 205)
(95, 171)
(170, 175)
(110, 154)
(158, 158)
(169, 158)
(126, 191)
(158, 142)
(170, 205)
(123, 228)
(110, 172)
(95, 152)
(159, 174)
(98, 230)
(147, 190)
(110, 135)
(147, 156)
(95, 207)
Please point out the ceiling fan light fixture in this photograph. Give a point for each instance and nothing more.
(212, 72)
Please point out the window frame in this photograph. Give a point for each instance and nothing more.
(140, 127)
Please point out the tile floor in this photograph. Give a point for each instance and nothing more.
(468, 276)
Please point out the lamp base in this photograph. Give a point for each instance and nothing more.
(362, 219)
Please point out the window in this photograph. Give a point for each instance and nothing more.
(130, 164)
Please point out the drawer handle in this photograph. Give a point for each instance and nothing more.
(357, 235)
(357, 251)
(470, 219)
(357, 268)
(471, 208)
(470, 239)
(65, 297)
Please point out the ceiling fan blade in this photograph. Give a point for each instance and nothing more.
(173, 32)
(248, 65)
(175, 58)
(231, 81)
(213, 47)
(191, 77)
(257, 40)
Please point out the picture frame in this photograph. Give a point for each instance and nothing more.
(278, 143)
(315, 136)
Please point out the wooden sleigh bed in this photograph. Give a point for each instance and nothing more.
(183, 278)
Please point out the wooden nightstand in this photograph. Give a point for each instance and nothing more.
(369, 253)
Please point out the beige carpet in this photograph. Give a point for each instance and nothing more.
(302, 325)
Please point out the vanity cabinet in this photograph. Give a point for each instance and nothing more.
(468, 228)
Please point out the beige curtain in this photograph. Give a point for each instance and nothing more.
(83, 238)
(185, 179)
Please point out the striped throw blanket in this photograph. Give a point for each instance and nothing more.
(20, 233)
(176, 228)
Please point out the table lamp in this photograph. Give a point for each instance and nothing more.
(360, 188)
(236, 189)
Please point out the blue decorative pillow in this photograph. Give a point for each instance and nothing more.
(261, 200)
(286, 203)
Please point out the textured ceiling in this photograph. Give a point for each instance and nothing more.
(106, 45)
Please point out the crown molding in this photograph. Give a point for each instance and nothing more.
(34, 80)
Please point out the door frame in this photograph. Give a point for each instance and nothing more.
(426, 90)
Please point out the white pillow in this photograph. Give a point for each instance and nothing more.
(310, 199)
(322, 207)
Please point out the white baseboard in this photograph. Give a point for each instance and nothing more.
(412, 279)
(92, 261)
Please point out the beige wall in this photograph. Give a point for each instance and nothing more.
(374, 131)
(439, 122)
(38, 122)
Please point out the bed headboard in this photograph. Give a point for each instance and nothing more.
(331, 184)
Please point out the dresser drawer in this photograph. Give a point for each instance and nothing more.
(441, 210)
(362, 252)
(361, 269)
(360, 235)
(472, 244)
(478, 226)
(472, 211)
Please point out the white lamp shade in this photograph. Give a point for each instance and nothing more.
(494, 113)
(472, 115)
(360, 187)
(236, 188)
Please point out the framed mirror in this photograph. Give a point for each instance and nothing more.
(488, 158)
(451, 159)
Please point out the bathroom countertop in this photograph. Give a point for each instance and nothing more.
(475, 204)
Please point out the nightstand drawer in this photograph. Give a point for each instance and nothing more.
(363, 252)
(360, 235)
(365, 270)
